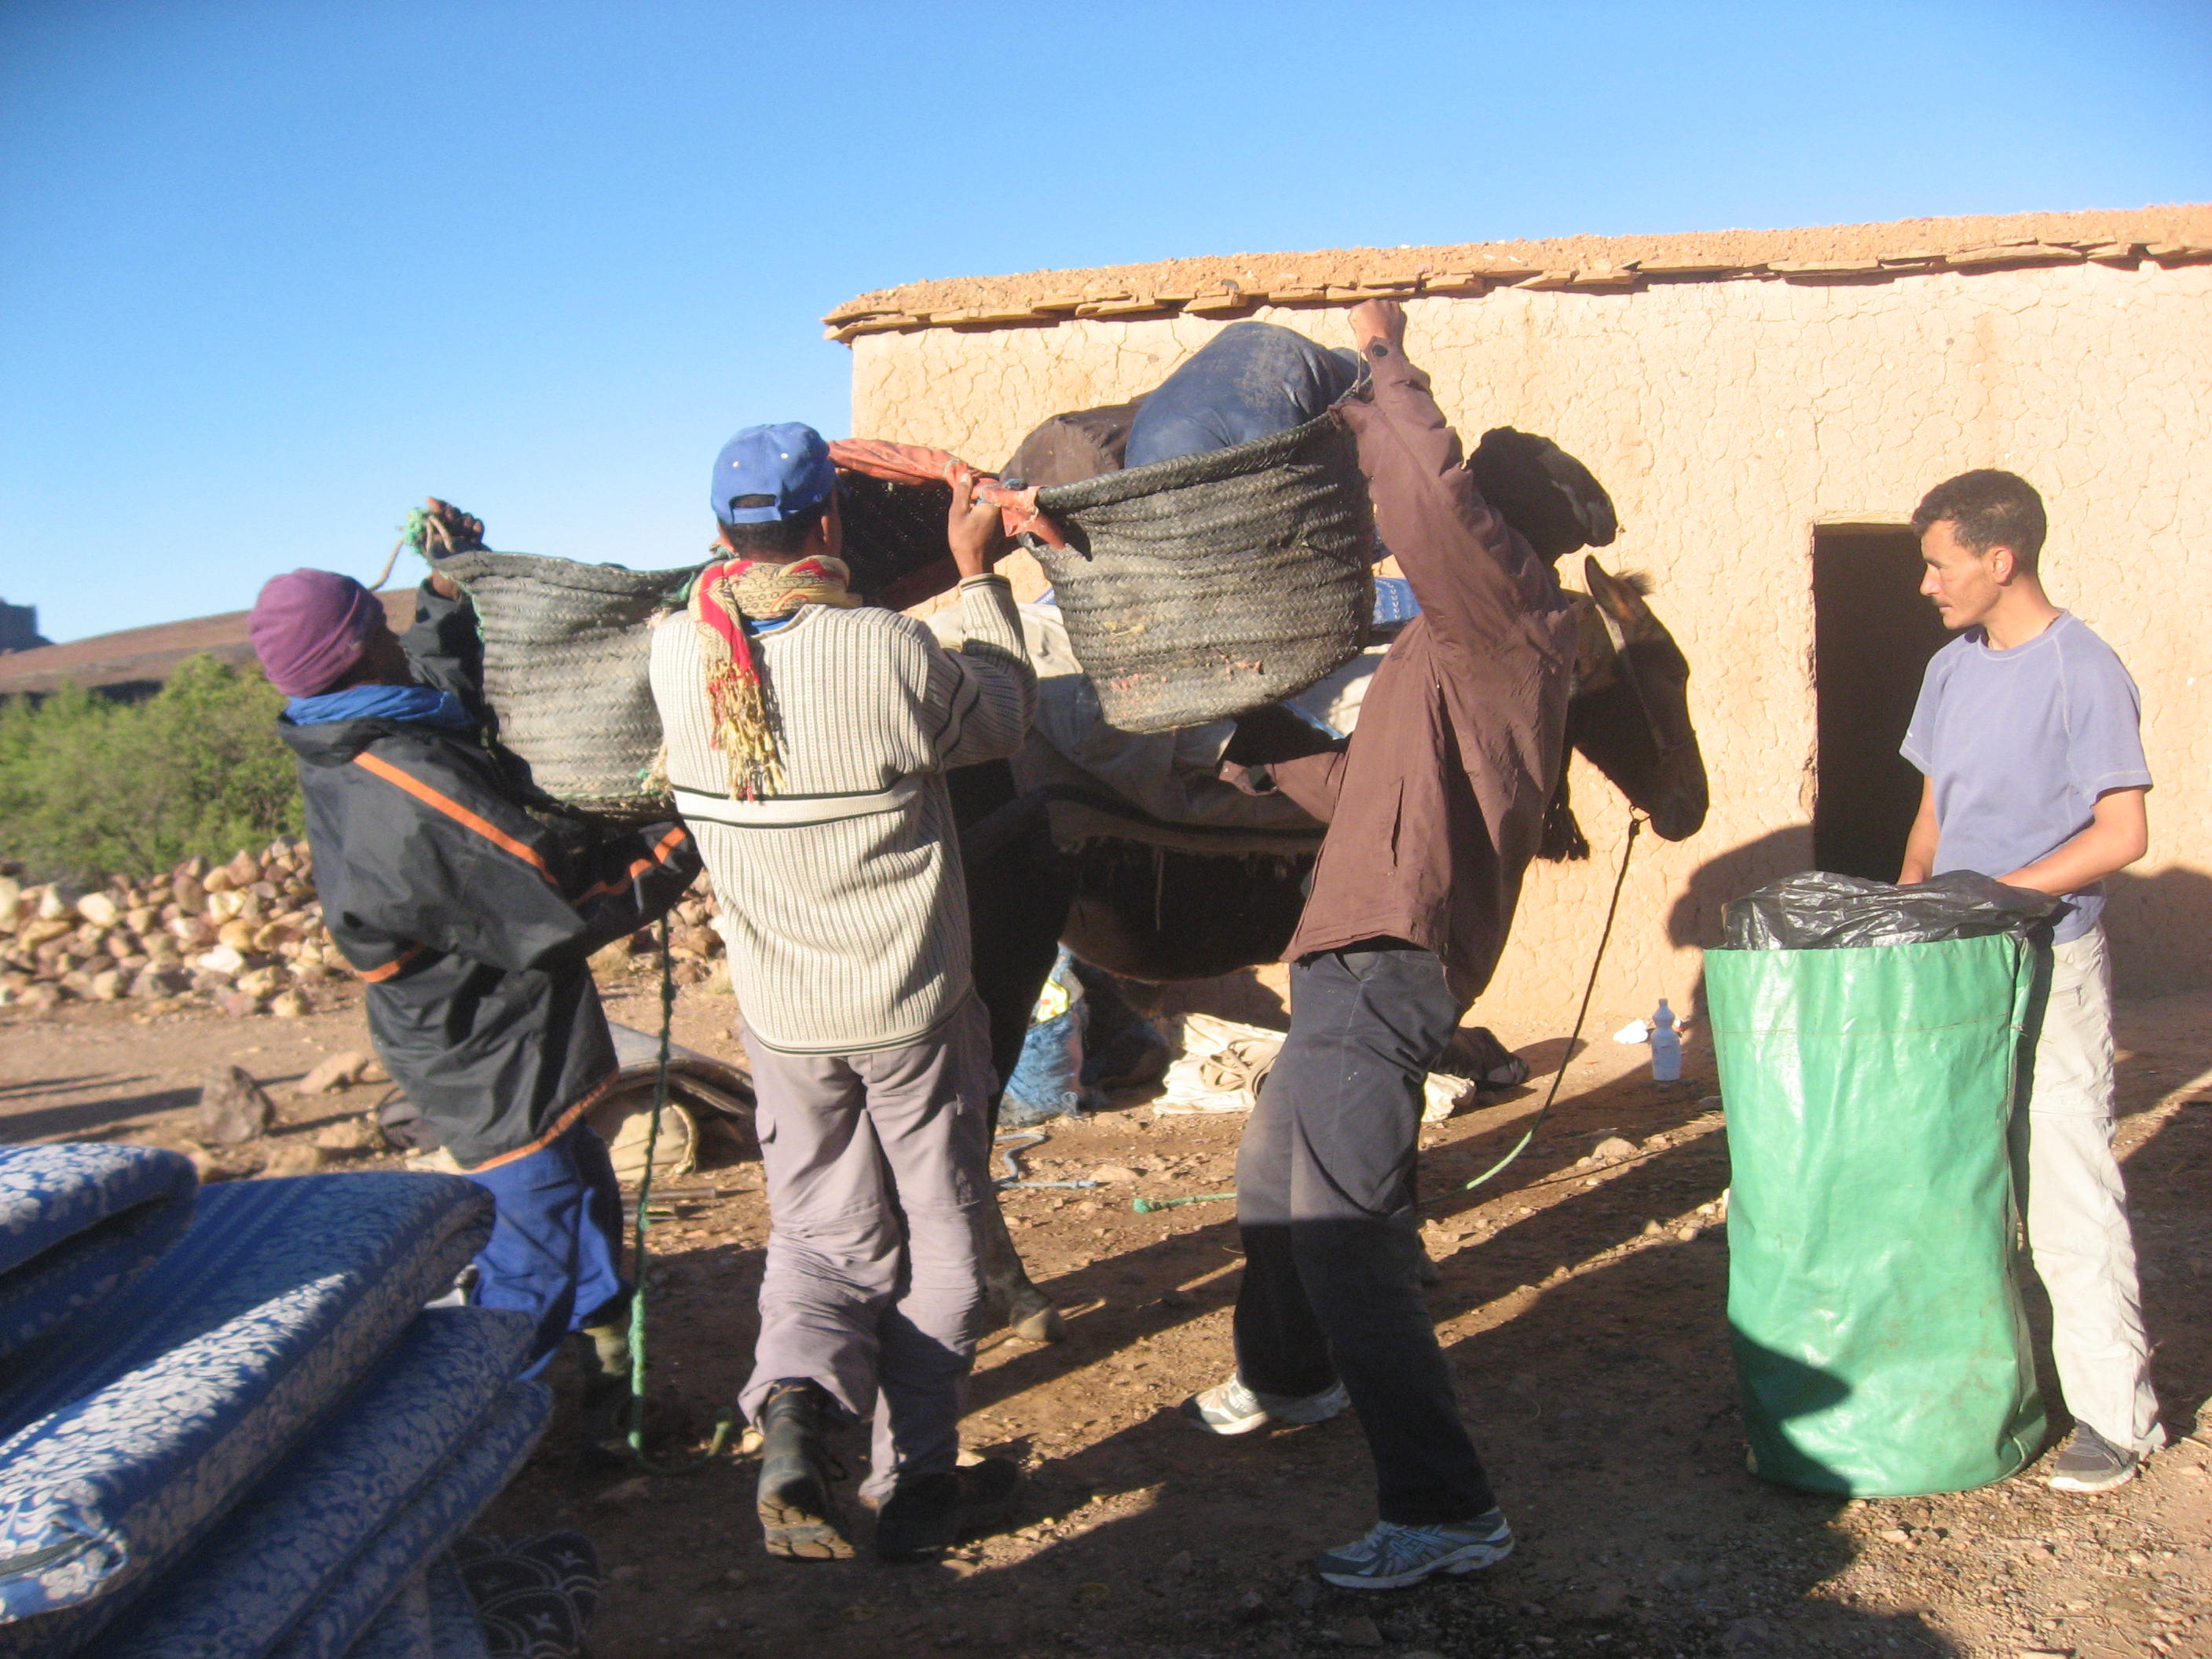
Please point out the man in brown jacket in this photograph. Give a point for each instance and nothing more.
(1435, 808)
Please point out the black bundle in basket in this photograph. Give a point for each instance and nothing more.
(1203, 587)
(894, 541)
(567, 649)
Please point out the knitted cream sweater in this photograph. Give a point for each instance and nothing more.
(843, 905)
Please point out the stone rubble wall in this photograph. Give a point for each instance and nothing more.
(1727, 420)
(246, 937)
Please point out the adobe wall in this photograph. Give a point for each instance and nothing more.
(1728, 419)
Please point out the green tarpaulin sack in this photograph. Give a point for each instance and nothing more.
(1878, 1329)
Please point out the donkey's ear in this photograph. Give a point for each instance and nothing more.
(1621, 599)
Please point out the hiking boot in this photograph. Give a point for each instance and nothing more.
(1392, 1556)
(933, 1512)
(2089, 1462)
(1231, 1408)
(798, 1515)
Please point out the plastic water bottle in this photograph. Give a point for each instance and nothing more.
(1666, 1046)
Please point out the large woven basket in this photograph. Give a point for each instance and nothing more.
(567, 647)
(1203, 587)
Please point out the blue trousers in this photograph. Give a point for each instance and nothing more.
(1325, 1202)
(556, 1247)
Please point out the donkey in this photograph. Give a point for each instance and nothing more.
(1628, 715)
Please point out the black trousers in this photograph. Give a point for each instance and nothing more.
(1325, 1202)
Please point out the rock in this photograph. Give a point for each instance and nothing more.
(244, 870)
(105, 986)
(11, 900)
(233, 1109)
(98, 909)
(1613, 1149)
(187, 893)
(374, 1073)
(1249, 1607)
(351, 1134)
(289, 1004)
(222, 960)
(296, 1157)
(237, 935)
(159, 981)
(58, 900)
(339, 1070)
(214, 1167)
(1685, 1235)
(216, 881)
(44, 932)
(238, 1004)
(692, 941)
(1359, 1632)
(1114, 1174)
(38, 999)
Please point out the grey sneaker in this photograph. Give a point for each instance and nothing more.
(1392, 1556)
(1231, 1408)
(2089, 1462)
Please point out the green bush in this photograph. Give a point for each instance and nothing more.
(91, 788)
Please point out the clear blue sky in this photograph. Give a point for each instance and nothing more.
(269, 273)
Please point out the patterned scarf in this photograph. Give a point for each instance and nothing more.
(723, 600)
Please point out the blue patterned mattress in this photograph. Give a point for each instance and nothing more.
(137, 1428)
(437, 1515)
(77, 1223)
(432, 1617)
(404, 1630)
(269, 1561)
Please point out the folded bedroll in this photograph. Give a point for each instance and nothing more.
(1877, 1323)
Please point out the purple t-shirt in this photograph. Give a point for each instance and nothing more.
(2020, 743)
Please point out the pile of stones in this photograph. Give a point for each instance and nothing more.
(246, 936)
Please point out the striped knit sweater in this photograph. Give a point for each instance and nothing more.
(843, 904)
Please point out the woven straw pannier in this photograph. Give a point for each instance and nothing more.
(1201, 588)
(567, 647)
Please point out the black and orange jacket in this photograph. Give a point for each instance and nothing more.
(471, 920)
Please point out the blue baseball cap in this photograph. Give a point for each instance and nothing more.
(789, 464)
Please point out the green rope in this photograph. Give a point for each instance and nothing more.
(1589, 986)
(1146, 1206)
(637, 1324)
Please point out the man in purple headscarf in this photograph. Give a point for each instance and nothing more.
(471, 923)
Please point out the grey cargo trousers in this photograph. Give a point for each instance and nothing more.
(878, 1168)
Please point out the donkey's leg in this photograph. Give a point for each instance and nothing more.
(1030, 1313)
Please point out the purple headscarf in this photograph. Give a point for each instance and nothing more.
(308, 627)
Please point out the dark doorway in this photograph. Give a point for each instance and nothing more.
(1872, 635)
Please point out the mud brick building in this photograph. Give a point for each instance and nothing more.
(1765, 407)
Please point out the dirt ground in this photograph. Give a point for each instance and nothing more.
(1582, 1311)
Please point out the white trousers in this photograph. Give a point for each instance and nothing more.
(2076, 1207)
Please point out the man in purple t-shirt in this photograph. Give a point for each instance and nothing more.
(2026, 732)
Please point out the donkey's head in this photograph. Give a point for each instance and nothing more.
(1630, 714)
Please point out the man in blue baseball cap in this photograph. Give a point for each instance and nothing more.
(771, 475)
(808, 740)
